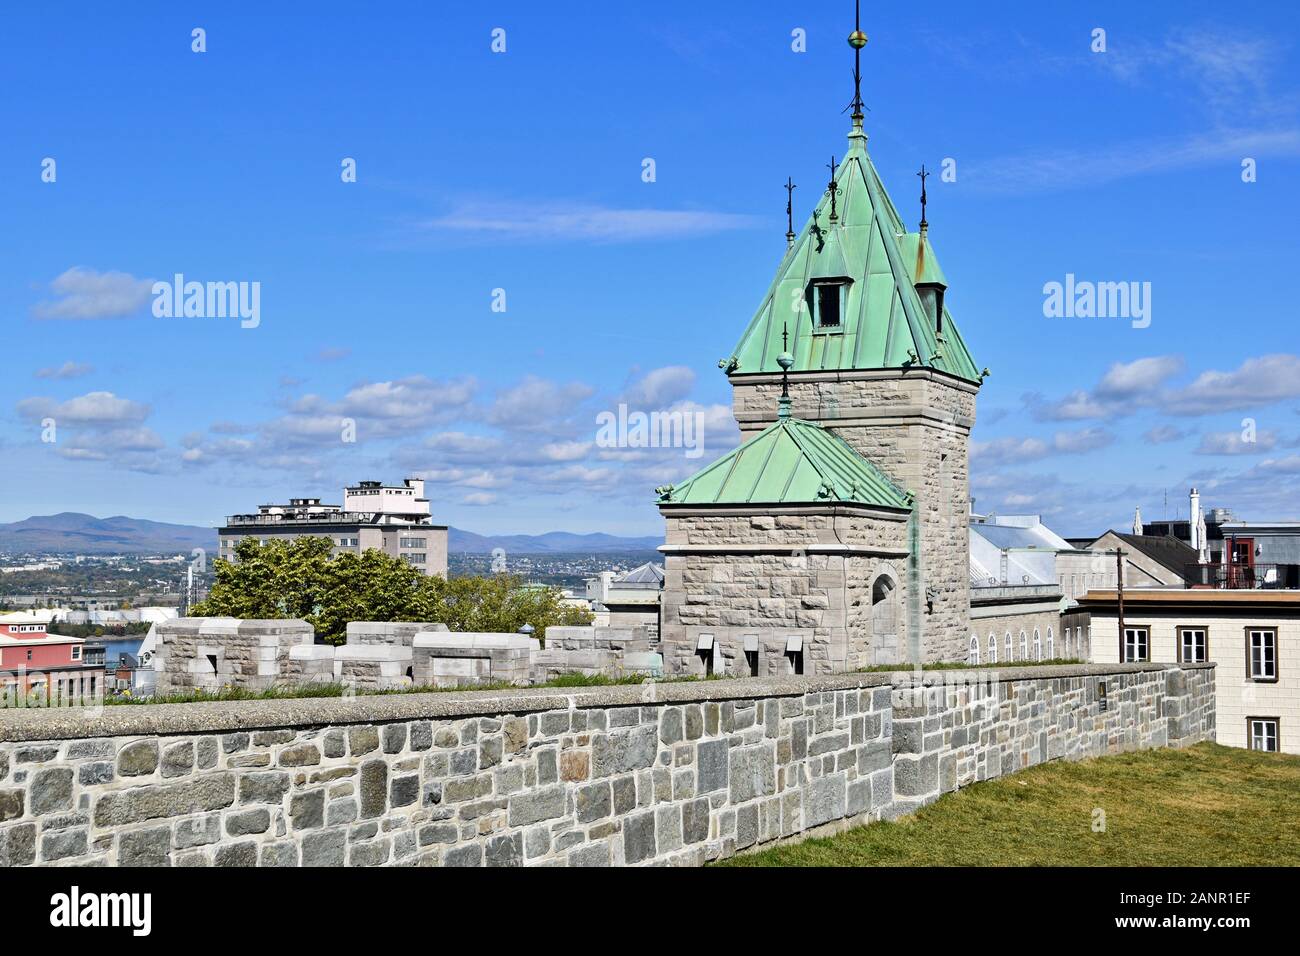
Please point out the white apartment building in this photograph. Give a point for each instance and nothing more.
(1251, 636)
(395, 519)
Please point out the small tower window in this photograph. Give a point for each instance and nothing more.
(828, 304)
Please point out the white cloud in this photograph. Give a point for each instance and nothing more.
(1257, 381)
(86, 294)
(660, 387)
(1163, 434)
(1232, 443)
(93, 408)
(582, 222)
(65, 371)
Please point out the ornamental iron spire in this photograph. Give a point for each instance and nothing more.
(790, 187)
(857, 40)
(924, 176)
(832, 189)
(785, 360)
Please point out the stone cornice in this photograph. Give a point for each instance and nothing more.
(133, 720)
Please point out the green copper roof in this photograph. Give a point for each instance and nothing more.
(791, 461)
(884, 324)
(919, 257)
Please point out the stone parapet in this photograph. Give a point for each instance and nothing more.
(672, 773)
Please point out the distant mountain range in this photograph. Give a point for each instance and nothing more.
(86, 534)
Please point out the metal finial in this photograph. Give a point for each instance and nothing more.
(857, 40)
(785, 360)
(924, 176)
(833, 188)
(790, 187)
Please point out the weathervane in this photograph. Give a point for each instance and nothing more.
(790, 187)
(857, 40)
(832, 189)
(924, 176)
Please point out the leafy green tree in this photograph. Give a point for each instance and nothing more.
(300, 579)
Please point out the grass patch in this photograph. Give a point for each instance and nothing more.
(1206, 805)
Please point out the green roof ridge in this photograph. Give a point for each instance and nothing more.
(785, 448)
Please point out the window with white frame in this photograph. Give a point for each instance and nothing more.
(993, 648)
(1051, 645)
(1136, 645)
(1024, 646)
(1193, 645)
(1262, 733)
(974, 657)
(1069, 632)
(1261, 653)
(1009, 656)
(1038, 645)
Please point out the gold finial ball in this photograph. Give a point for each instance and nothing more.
(857, 39)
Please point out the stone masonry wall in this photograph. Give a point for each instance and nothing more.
(780, 586)
(915, 426)
(677, 773)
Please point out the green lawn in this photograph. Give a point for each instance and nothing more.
(1203, 806)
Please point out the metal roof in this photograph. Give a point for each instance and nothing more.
(790, 461)
(884, 324)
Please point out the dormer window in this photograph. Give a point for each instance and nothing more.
(828, 301)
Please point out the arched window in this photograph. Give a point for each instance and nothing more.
(1068, 634)
(1038, 645)
(1024, 646)
(1051, 645)
(974, 650)
(1010, 656)
(884, 619)
(993, 648)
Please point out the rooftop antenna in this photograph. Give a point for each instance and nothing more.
(785, 360)
(857, 40)
(832, 188)
(924, 176)
(790, 187)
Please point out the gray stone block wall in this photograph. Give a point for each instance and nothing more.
(208, 653)
(915, 426)
(807, 574)
(670, 773)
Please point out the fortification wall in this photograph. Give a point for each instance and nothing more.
(677, 773)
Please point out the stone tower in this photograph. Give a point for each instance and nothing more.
(879, 361)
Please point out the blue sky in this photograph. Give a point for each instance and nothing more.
(522, 171)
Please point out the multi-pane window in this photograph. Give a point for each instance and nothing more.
(1193, 645)
(1010, 655)
(1262, 733)
(993, 648)
(974, 650)
(413, 542)
(414, 557)
(1038, 645)
(1137, 645)
(349, 542)
(1261, 653)
(1051, 645)
(1024, 646)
